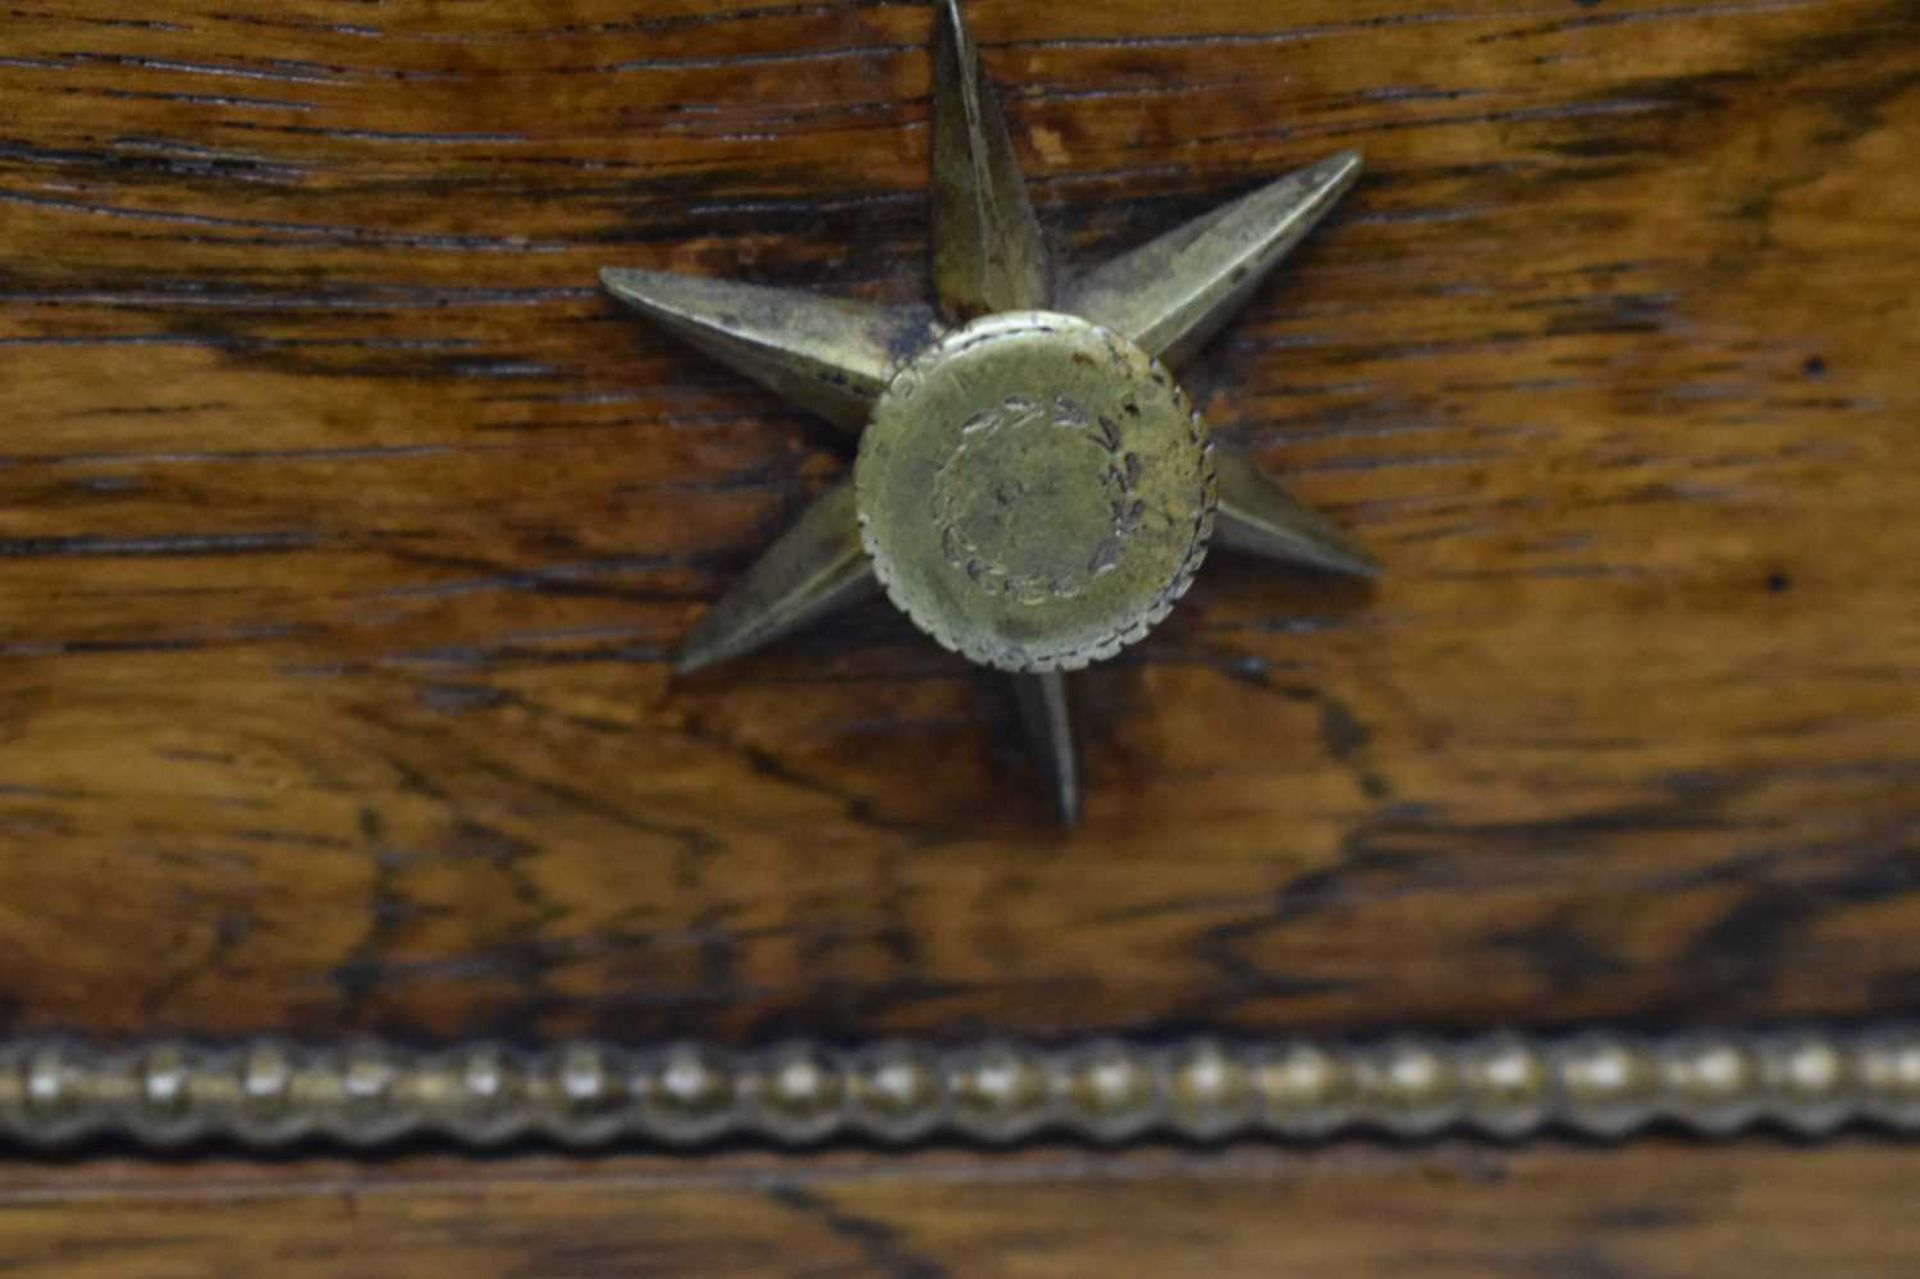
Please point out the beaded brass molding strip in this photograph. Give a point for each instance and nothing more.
(266, 1092)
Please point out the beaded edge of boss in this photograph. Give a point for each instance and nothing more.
(1508, 1085)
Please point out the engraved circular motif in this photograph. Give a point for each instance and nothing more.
(1035, 491)
(993, 498)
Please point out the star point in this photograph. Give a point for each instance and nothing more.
(1032, 489)
(816, 567)
(830, 355)
(1046, 712)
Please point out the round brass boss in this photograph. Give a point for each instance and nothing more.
(1035, 491)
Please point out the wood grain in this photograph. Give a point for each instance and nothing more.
(344, 526)
(1753, 1213)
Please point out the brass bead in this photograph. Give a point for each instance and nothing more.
(1806, 1080)
(1111, 1090)
(58, 1091)
(362, 1086)
(1709, 1082)
(1506, 1085)
(1607, 1083)
(1408, 1086)
(1210, 1090)
(1888, 1064)
(686, 1093)
(1305, 1090)
(897, 1091)
(800, 1091)
(163, 1109)
(478, 1092)
(264, 1073)
(999, 1091)
(581, 1092)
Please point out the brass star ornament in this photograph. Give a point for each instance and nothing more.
(1032, 489)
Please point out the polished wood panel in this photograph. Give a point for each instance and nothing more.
(344, 526)
(1755, 1213)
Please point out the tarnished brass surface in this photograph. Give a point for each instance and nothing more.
(830, 355)
(1035, 491)
(1171, 294)
(1258, 517)
(265, 1092)
(817, 566)
(988, 254)
(1046, 713)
